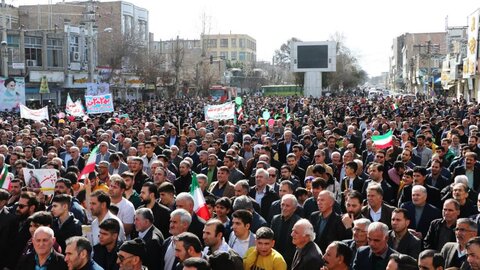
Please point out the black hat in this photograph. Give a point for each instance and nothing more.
(135, 247)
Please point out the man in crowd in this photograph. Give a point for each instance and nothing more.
(152, 237)
(338, 256)
(400, 238)
(44, 256)
(328, 224)
(105, 252)
(161, 214)
(99, 206)
(442, 230)
(377, 253)
(308, 255)
(282, 224)
(455, 253)
(78, 254)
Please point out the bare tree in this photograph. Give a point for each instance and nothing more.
(178, 53)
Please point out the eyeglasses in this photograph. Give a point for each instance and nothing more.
(318, 156)
(121, 258)
(358, 230)
(462, 230)
(21, 206)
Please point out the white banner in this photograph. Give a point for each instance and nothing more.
(74, 108)
(220, 112)
(470, 65)
(41, 179)
(36, 115)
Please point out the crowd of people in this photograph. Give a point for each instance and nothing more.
(309, 189)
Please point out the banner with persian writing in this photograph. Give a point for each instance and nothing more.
(99, 104)
(220, 112)
(35, 115)
(40, 179)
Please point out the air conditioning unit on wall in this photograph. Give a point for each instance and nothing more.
(75, 57)
(31, 63)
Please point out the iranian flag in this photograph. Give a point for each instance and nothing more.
(383, 141)
(5, 178)
(90, 165)
(394, 106)
(200, 207)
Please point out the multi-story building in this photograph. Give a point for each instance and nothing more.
(416, 60)
(71, 42)
(236, 48)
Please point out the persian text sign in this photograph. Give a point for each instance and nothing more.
(35, 115)
(74, 108)
(99, 104)
(41, 179)
(220, 112)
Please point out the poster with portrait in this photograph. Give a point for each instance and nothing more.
(40, 179)
(12, 93)
(97, 89)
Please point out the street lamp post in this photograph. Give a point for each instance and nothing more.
(4, 46)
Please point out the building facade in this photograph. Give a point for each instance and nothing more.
(236, 48)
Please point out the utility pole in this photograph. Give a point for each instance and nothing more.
(90, 18)
(4, 44)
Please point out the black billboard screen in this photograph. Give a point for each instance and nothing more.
(312, 56)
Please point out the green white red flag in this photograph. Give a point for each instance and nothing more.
(200, 206)
(383, 141)
(90, 165)
(5, 178)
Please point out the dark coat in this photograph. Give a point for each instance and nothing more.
(7, 228)
(357, 183)
(364, 256)
(442, 181)
(267, 200)
(106, 260)
(334, 230)
(429, 213)
(154, 242)
(282, 151)
(433, 196)
(409, 244)
(283, 239)
(71, 227)
(196, 227)
(389, 195)
(275, 209)
(182, 183)
(57, 261)
(80, 164)
(432, 239)
(309, 257)
(386, 214)
(460, 170)
(139, 179)
(161, 218)
(449, 251)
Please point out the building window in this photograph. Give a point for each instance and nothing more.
(224, 43)
(212, 43)
(241, 42)
(33, 50)
(233, 42)
(241, 56)
(54, 52)
(224, 55)
(214, 54)
(233, 56)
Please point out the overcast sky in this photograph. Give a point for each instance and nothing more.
(369, 26)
